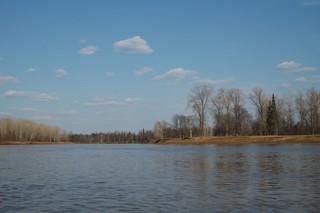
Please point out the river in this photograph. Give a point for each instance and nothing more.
(160, 178)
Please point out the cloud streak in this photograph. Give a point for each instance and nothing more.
(133, 45)
(300, 80)
(102, 102)
(132, 100)
(142, 71)
(216, 81)
(8, 79)
(34, 96)
(31, 70)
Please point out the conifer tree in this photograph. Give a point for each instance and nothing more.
(272, 117)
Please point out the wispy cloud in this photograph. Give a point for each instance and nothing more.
(284, 85)
(83, 41)
(8, 79)
(102, 101)
(34, 96)
(142, 71)
(216, 81)
(30, 109)
(310, 2)
(61, 73)
(292, 66)
(69, 112)
(300, 80)
(109, 74)
(45, 118)
(5, 114)
(132, 100)
(31, 69)
(133, 45)
(176, 74)
(88, 50)
(316, 79)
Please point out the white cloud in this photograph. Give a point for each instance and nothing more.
(132, 100)
(142, 71)
(133, 45)
(293, 66)
(60, 73)
(8, 79)
(31, 70)
(102, 101)
(34, 96)
(300, 80)
(175, 74)
(216, 81)
(109, 74)
(88, 50)
(288, 65)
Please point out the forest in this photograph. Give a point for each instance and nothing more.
(221, 112)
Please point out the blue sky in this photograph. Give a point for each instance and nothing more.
(96, 65)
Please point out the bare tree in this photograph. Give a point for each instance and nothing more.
(238, 101)
(217, 111)
(227, 105)
(260, 101)
(313, 106)
(286, 115)
(158, 131)
(301, 108)
(198, 100)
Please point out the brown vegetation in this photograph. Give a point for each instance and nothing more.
(245, 140)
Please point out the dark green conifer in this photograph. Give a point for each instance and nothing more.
(272, 117)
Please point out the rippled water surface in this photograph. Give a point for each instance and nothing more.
(157, 178)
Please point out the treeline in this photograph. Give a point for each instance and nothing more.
(29, 131)
(142, 136)
(224, 112)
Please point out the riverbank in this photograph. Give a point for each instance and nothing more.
(208, 140)
(245, 140)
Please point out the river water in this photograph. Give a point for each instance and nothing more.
(160, 178)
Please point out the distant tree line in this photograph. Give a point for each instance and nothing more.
(226, 111)
(29, 131)
(143, 136)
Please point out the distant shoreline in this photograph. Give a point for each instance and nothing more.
(233, 140)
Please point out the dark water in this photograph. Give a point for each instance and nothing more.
(156, 178)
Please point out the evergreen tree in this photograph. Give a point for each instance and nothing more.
(272, 117)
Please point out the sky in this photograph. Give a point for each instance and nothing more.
(121, 65)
